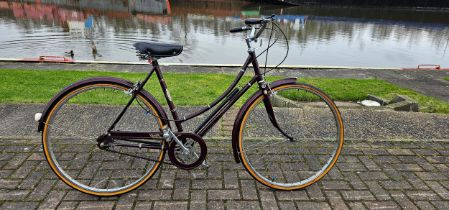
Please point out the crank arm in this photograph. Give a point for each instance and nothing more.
(170, 136)
(205, 164)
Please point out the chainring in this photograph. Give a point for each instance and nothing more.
(188, 161)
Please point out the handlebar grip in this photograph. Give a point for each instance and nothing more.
(254, 21)
(239, 29)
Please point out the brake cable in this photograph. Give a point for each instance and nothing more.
(266, 55)
(269, 46)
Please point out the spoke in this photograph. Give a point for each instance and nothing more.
(272, 146)
(71, 134)
(270, 140)
(98, 183)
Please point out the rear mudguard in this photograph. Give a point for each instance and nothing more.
(244, 109)
(97, 80)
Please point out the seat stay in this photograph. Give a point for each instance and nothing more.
(136, 89)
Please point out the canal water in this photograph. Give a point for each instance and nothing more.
(318, 35)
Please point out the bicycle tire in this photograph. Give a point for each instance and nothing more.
(282, 164)
(83, 113)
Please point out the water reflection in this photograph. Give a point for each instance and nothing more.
(106, 30)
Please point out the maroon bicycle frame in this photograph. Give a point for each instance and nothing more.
(227, 98)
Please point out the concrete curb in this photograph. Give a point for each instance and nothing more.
(205, 64)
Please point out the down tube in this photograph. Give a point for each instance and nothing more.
(217, 114)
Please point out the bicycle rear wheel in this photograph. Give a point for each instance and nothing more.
(80, 118)
(304, 113)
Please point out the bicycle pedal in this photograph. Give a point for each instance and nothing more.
(205, 164)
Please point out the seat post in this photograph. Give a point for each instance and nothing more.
(152, 60)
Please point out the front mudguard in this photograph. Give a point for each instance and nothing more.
(244, 109)
(97, 80)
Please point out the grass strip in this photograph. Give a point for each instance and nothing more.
(31, 86)
(446, 78)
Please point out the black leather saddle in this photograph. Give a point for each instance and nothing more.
(158, 50)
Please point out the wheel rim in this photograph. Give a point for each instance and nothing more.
(304, 113)
(70, 140)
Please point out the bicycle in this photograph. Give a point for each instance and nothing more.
(107, 136)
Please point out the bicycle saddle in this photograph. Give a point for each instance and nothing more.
(158, 50)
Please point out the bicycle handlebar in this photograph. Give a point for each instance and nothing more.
(253, 21)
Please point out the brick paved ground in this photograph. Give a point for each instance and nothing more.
(369, 175)
(372, 172)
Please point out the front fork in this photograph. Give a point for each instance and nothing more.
(267, 92)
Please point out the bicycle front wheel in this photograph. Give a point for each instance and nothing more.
(302, 112)
(80, 118)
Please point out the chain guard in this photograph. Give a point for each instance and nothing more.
(175, 156)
